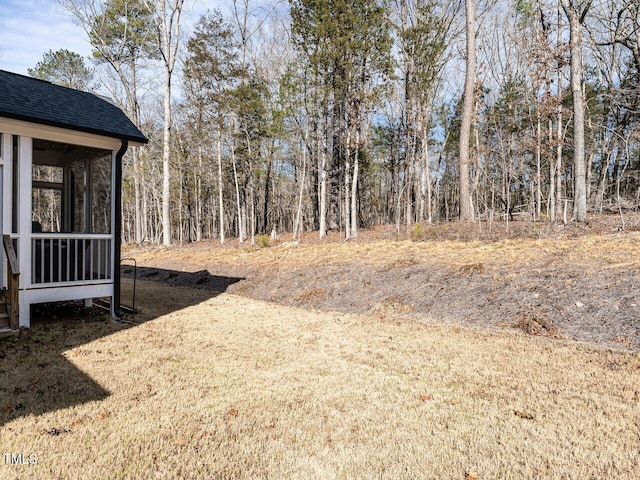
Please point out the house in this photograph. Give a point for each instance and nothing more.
(61, 156)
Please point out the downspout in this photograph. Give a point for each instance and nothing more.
(117, 230)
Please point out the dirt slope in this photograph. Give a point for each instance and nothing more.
(575, 283)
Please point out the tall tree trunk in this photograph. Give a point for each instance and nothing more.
(334, 167)
(427, 169)
(145, 212)
(322, 168)
(220, 187)
(576, 18)
(602, 183)
(135, 152)
(466, 207)
(552, 208)
(267, 191)
(589, 165)
(252, 199)
(354, 189)
(238, 204)
(347, 173)
(135, 108)
(559, 140)
(408, 200)
(297, 226)
(423, 211)
(169, 12)
(198, 197)
(166, 152)
(180, 196)
(538, 166)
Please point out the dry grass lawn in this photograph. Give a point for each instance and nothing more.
(229, 387)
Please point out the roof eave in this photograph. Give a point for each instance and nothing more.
(132, 139)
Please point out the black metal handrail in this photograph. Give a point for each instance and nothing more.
(135, 276)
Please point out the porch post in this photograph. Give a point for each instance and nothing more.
(25, 154)
(7, 180)
(5, 185)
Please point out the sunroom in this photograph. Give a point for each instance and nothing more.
(61, 156)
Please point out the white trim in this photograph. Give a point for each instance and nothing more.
(25, 160)
(56, 134)
(24, 174)
(80, 236)
(42, 295)
(7, 179)
(79, 283)
(80, 292)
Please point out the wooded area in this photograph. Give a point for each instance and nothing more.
(342, 114)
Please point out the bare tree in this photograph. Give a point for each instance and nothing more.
(167, 22)
(576, 12)
(121, 37)
(466, 207)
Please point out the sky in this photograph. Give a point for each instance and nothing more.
(30, 28)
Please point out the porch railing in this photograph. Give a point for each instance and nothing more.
(70, 258)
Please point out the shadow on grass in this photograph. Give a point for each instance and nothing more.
(201, 279)
(36, 375)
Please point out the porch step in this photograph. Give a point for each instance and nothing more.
(5, 329)
(4, 320)
(6, 332)
(4, 316)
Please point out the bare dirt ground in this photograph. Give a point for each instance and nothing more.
(576, 282)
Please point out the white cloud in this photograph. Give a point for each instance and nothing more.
(30, 28)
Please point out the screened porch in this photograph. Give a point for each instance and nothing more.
(71, 203)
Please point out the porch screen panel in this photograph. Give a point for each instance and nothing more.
(72, 191)
(46, 198)
(77, 193)
(101, 194)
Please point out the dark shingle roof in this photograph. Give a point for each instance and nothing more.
(38, 101)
